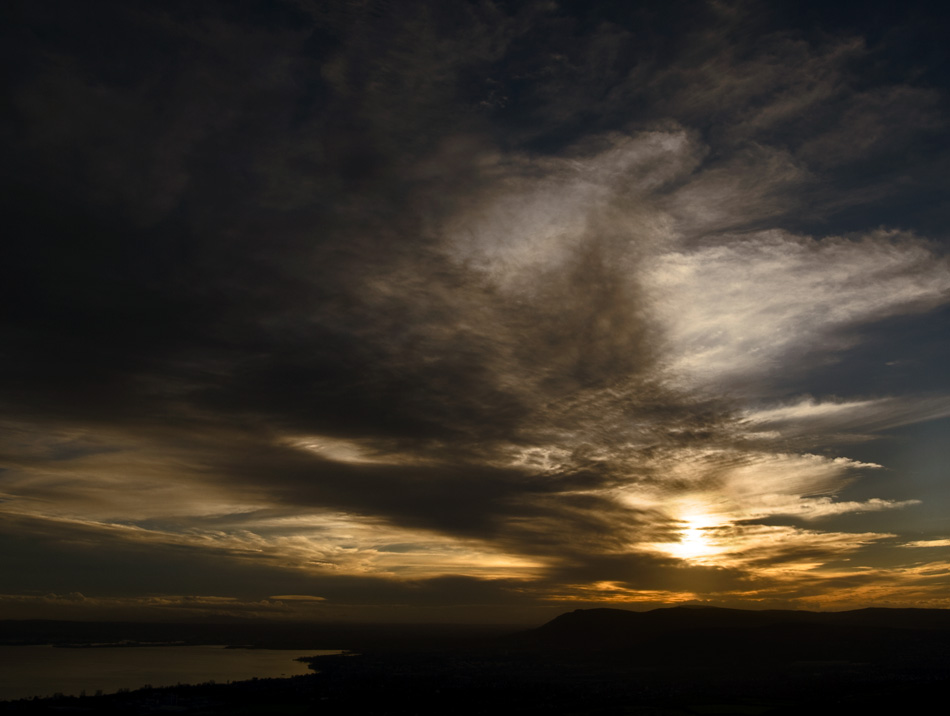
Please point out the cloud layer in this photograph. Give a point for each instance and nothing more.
(464, 306)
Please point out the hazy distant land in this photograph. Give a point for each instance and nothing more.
(680, 660)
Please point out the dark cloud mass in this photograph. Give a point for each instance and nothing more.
(471, 309)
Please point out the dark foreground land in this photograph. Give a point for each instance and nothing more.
(671, 662)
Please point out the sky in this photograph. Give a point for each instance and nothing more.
(472, 311)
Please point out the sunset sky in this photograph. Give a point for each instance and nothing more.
(473, 311)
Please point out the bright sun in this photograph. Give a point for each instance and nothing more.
(695, 542)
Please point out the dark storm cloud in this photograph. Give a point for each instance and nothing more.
(225, 298)
(76, 566)
(68, 557)
(392, 261)
(242, 304)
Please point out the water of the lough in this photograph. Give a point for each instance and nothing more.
(27, 671)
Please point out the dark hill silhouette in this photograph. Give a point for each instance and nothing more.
(704, 633)
(681, 660)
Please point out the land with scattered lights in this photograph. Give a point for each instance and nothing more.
(601, 661)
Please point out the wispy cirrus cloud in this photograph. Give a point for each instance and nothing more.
(755, 305)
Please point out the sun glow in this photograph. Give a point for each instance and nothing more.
(695, 542)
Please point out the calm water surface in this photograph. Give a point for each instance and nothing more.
(27, 671)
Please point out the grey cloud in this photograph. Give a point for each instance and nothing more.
(883, 120)
(636, 572)
(423, 232)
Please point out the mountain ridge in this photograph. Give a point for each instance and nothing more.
(717, 632)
